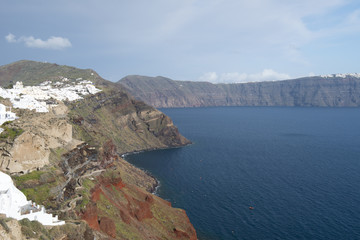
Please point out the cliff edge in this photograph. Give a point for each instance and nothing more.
(337, 90)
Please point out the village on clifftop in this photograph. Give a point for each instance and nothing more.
(42, 98)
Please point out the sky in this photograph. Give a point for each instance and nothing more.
(199, 40)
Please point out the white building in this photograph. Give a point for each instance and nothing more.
(6, 115)
(13, 204)
(92, 89)
(18, 85)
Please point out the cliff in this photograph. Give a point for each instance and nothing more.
(320, 91)
(68, 160)
(40, 132)
(131, 124)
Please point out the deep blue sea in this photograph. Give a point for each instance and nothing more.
(299, 168)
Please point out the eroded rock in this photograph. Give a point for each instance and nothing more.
(42, 132)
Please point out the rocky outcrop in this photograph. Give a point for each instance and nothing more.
(143, 216)
(11, 230)
(28, 152)
(336, 91)
(130, 124)
(41, 133)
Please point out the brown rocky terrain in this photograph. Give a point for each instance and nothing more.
(41, 133)
(131, 124)
(163, 92)
(68, 160)
(11, 229)
(14, 234)
(143, 215)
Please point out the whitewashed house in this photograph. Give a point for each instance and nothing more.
(6, 115)
(13, 204)
(29, 102)
(18, 85)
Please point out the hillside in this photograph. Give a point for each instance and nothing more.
(34, 73)
(68, 160)
(320, 91)
(112, 113)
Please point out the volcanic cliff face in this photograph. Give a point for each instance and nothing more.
(113, 204)
(41, 132)
(334, 91)
(70, 157)
(142, 215)
(130, 124)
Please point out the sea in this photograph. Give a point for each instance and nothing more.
(263, 172)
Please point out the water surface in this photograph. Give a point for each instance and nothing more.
(298, 167)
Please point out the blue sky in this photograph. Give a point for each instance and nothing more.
(206, 40)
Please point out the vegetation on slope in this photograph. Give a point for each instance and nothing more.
(41, 186)
(10, 133)
(34, 73)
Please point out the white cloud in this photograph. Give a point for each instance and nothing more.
(55, 43)
(269, 75)
(209, 77)
(51, 43)
(10, 38)
(235, 77)
(311, 74)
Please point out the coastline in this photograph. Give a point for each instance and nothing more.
(123, 155)
(156, 187)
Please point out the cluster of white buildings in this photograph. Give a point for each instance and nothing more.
(40, 97)
(13, 204)
(341, 75)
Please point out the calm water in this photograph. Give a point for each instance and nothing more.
(298, 167)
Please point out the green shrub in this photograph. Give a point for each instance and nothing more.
(34, 175)
(10, 133)
(33, 186)
(34, 229)
(10, 86)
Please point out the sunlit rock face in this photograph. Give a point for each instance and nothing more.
(13, 204)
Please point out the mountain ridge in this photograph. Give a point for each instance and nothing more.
(335, 90)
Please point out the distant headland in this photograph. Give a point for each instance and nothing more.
(333, 90)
